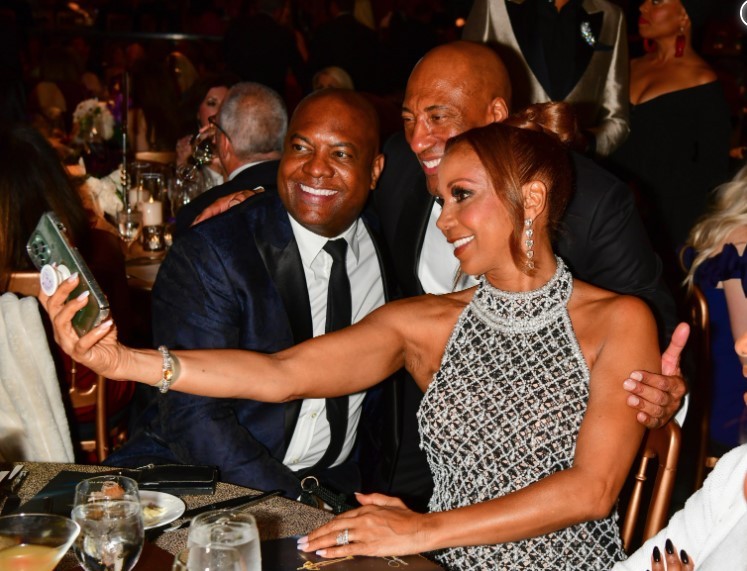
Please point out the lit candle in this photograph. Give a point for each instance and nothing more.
(152, 212)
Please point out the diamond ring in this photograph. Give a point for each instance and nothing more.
(342, 537)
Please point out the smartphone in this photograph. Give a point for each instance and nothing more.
(52, 254)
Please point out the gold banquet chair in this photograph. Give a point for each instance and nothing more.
(702, 389)
(27, 284)
(160, 157)
(661, 447)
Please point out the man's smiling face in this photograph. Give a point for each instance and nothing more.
(330, 162)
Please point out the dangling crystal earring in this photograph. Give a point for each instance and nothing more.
(679, 43)
(529, 243)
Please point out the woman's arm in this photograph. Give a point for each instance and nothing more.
(335, 364)
(607, 444)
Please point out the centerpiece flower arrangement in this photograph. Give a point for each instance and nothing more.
(97, 135)
(93, 119)
(104, 195)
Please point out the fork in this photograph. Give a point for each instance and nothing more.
(10, 482)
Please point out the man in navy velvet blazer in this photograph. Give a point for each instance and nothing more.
(241, 280)
(251, 157)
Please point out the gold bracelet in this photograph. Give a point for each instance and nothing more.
(169, 371)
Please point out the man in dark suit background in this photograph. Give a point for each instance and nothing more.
(257, 278)
(456, 87)
(257, 119)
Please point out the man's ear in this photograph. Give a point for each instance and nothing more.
(535, 198)
(498, 110)
(376, 167)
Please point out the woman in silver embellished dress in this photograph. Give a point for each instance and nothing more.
(524, 418)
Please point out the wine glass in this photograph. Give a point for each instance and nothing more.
(189, 179)
(35, 542)
(129, 224)
(110, 516)
(229, 528)
(209, 558)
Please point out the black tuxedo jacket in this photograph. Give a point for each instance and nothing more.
(236, 281)
(263, 174)
(601, 239)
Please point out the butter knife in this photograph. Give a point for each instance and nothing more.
(232, 503)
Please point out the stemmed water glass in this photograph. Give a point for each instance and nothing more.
(129, 224)
(229, 528)
(110, 516)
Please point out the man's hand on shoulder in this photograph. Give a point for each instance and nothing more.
(657, 397)
(225, 203)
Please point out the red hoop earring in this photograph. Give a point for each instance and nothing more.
(679, 44)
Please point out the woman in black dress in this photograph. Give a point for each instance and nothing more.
(679, 122)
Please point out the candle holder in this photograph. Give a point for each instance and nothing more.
(153, 238)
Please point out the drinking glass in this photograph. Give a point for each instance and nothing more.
(129, 224)
(229, 528)
(35, 542)
(108, 487)
(151, 185)
(187, 186)
(209, 558)
(110, 516)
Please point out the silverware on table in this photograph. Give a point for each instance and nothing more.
(233, 503)
(10, 483)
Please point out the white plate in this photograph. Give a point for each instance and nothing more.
(169, 508)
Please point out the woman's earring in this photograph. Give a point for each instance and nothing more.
(648, 45)
(679, 43)
(529, 243)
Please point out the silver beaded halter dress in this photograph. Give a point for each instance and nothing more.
(503, 411)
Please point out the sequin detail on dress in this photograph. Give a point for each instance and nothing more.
(502, 412)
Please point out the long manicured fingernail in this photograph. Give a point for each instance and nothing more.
(321, 552)
(106, 324)
(633, 400)
(72, 277)
(629, 384)
(669, 547)
(683, 557)
(83, 295)
(636, 376)
(657, 554)
(302, 545)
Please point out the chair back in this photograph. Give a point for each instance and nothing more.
(702, 388)
(24, 283)
(27, 284)
(697, 429)
(661, 447)
(160, 157)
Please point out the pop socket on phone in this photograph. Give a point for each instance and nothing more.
(50, 277)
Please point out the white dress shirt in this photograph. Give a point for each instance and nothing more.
(311, 435)
(437, 265)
